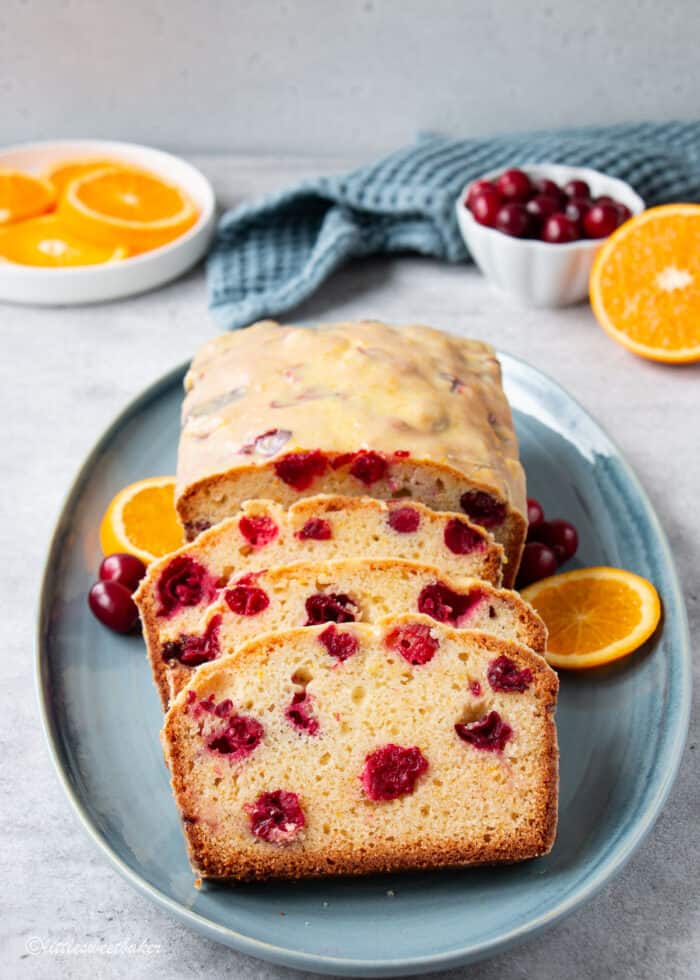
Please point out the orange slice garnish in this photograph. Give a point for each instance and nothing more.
(645, 284)
(47, 242)
(23, 196)
(116, 206)
(594, 615)
(65, 171)
(141, 520)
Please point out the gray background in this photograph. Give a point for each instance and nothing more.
(292, 85)
(348, 76)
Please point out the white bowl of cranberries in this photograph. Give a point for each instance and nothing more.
(534, 230)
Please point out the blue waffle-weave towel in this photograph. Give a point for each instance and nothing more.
(271, 254)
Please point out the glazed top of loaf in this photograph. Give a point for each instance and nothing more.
(348, 386)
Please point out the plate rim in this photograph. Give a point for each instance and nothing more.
(625, 847)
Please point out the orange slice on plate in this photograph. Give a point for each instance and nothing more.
(594, 615)
(63, 172)
(645, 284)
(142, 521)
(116, 206)
(23, 196)
(47, 242)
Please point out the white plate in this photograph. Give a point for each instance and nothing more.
(113, 280)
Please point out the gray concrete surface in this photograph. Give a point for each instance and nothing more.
(361, 75)
(63, 376)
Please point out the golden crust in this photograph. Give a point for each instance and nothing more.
(211, 860)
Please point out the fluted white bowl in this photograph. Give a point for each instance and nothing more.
(540, 273)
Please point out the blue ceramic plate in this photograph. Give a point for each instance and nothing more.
(621, 729)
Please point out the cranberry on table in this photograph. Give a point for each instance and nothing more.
(538, 561)
(561, 537)
(601, 220)
(112, 604)
(485, 206)
(514, 185)
(535, 513)
(577, 188)
(476, 188)
(558, 229)
(127, 570)
(513, 220)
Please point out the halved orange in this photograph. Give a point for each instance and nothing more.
(23, 196)
(65, 171)
(47, 242)
(141, 520)
(645, 284)
(116, 206)
(594, 615)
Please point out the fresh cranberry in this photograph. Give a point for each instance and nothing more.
(405, 520)
(483, 508)
(576, 210)
(315, 529)
(558, 230)
(299, 470)
(462, 539)
(183, 582)
(299, 715)
(339, 645)
(329, 607)
(276, 817)
(513, 220)
(258, 531)
(475, 189)
(601, 220)
(241, 735)
(414, 642)
(112, 604)
(561, 537)
(543, 185)
(368, 467)
(503, 675)
(267, 443)
(246, 600)
(192, 649)
(538, 561)
(486, 205)
(126, 569)
(392, 771)
(577, 188)
(444, 605)
(623, 212)
(489, 733)
(535, 513)
(514, 185)
(541, 206)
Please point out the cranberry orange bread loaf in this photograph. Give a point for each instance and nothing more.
(290, 760)
(360, 590)
(351, 408)
(180, 586)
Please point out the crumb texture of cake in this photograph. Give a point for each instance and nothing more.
(355, 590)
(356, 409)
(288, 761)
(178, 588)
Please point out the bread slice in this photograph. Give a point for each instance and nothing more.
(177, 588)
(366, 590)
(288, 761)
(351, 408)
